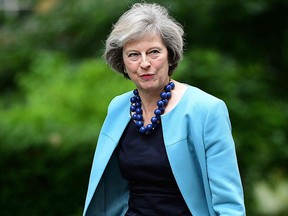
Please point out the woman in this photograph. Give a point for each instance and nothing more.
(165, 148)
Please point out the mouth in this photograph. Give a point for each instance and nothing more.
(147, 76)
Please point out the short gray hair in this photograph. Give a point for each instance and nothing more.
(143, 19)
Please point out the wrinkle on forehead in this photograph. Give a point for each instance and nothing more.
(146, 38)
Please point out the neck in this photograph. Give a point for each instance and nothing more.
(149, 102)
(149, 98)
(138, 112)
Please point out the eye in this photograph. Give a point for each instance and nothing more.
(133, 56)
(155, 51)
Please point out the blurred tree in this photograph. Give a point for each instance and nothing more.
(57, 99)
(251, 31)
(236, 50)
(77, 29)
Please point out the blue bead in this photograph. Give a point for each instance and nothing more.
(138, 110)
(168, 88)
(157, 112)
(163, 95)
(142, 130)
(135, 92)
(154, 119)
(138, 104)
(133, 99)
(132, 108)
(165, 101)
(138, 99)
(139, 117)
(172, 84)
(149, 127)
(134, 116)
(162, 109)
(139, 124)
(160, 103)
(169, 95)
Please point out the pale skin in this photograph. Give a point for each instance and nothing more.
(146, 63)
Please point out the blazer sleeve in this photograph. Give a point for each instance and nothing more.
(222, 168)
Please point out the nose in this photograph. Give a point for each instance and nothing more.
(144, 63)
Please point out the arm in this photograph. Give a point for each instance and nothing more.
(222, 168)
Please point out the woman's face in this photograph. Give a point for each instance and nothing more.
(146, 63)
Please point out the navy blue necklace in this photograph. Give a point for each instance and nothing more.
(136, 109)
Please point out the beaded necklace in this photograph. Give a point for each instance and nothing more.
(137, 111)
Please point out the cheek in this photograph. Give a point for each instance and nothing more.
(127, 64)
(160, 63)
(131, 67)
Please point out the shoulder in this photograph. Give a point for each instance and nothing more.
(202, 106)
(200, 99)
(119, 101)
(200, 95)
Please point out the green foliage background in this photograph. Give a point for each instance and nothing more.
(55, 89)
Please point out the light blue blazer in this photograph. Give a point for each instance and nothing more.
(200, 149)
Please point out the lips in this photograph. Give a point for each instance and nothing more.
(147, 76)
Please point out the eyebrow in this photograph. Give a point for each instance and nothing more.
(133, 50)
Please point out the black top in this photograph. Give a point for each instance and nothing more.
(144, 164)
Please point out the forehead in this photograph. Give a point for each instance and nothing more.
(145, 41)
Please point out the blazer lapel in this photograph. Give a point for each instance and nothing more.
(112, 129)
